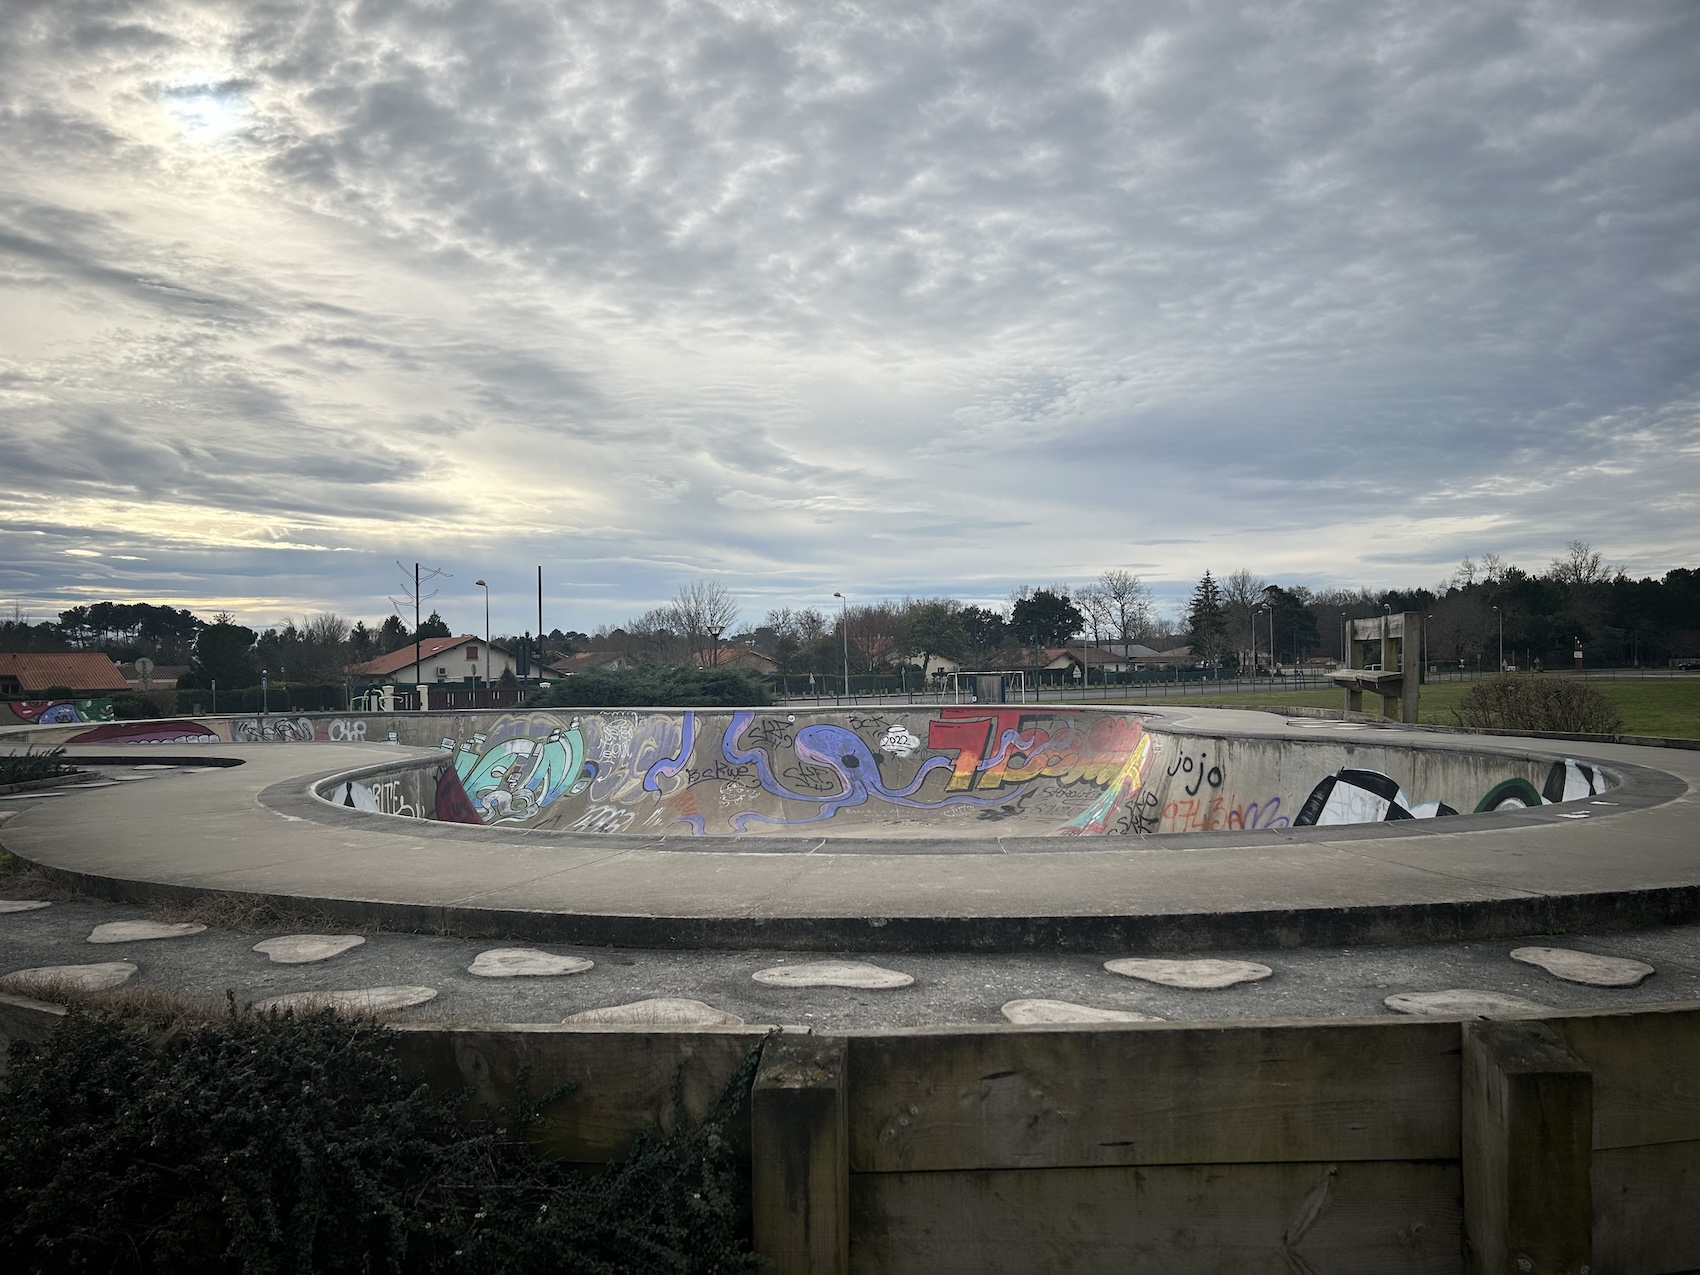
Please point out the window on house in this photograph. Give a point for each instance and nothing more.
(472, 652)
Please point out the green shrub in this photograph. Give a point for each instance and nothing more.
(134, 706)
(21, 768)
(656, 686)
(276, 1142)
(1516, 701)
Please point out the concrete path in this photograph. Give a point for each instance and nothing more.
(1634, 860)
(949, 988)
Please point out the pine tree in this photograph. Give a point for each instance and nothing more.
(1206, 622)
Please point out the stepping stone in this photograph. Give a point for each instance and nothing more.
(1028, 1012)
(136, 931)
(857, 974)
(1196, 975)
(22, 905)
(89, 978)
(1584, 967)
(97, 783)
(34, 796)
(1462, 1002)
(361, 1000)
(663, 1011)
(153, 766)
(525, 962)
(304, 949)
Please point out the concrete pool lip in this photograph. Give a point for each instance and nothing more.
(1507, 874)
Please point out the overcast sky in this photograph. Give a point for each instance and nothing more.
(881, 298)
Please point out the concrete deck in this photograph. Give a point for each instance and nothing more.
(1634, 861)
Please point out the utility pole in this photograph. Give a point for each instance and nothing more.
(844, 623)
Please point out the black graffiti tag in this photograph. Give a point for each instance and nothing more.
(1185, 765)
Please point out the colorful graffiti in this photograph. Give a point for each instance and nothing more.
(57, 712)
(512, 775)
(178, 732)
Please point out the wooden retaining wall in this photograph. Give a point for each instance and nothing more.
(1564, 1144)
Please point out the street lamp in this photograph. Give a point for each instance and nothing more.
(844, 623)
(486, 589)
(1501, 616)
(714, 631)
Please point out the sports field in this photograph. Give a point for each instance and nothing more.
(1654, 705)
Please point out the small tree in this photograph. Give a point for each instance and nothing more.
(1206, 624)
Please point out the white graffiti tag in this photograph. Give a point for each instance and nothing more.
(899, 741)
(341, 729)
(604, 819)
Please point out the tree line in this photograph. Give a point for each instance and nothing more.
(1227, 622)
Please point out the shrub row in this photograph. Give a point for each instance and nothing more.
(271, 1142)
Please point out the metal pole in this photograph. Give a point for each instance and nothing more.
(1501, 616)
(418, 672)
(844, 622)
(486, 589)
(539, 621)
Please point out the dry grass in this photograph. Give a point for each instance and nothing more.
(156, 1008)
(249, 914)
(19, 878)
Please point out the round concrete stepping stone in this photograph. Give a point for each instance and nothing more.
(858, 974)
(363, 1000)
(22, 905)
(1584, 967)
(662, 1011)
(526, 962)
(1197, 975)
(1031, 1012)
(136, 931)
(304, 949)
(1462, 1002)
(89, 978)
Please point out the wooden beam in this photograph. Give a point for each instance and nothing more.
(1528, 1124)
(1646, 1065)
(1154, 1094)
(1237, 1219)
(799, 1156)
(621, 1078)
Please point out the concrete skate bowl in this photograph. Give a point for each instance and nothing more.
(930, 772)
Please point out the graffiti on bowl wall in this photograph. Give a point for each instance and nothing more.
(1368, 796)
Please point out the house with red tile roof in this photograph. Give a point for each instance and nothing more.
(450, 660)
(85, 672)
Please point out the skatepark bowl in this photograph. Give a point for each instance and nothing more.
(1473, 1135)
(959, 772)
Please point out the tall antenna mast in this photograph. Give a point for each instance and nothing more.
(412, 594)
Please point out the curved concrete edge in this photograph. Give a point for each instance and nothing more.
(1371, 719)
(1512, 916)
(1635, 787)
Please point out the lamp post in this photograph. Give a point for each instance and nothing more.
(263, 696)
(486, 589)
(1271, 611)
(1425, 647)
(714, 644)
(844, 623)
(1501, 615)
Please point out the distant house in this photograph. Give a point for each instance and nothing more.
(84, 672)
(448, 660)
(605, 661)
(747, 658)
(165, 675)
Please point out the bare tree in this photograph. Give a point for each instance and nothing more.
(1132, 608)
(699, 612)
(1582, 564)
(1242, 594)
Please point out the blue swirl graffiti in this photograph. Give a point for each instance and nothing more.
(844, 753)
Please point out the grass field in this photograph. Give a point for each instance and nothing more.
(1649, 705)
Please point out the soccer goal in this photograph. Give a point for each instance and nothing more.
(991, 687)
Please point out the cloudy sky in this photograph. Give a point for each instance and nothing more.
(883, 298)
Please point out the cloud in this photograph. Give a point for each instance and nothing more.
(890, 299)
